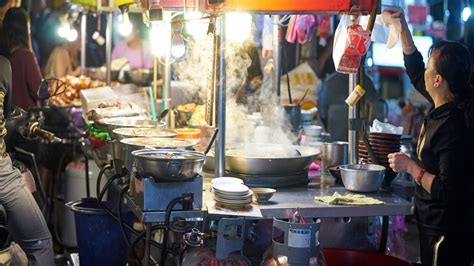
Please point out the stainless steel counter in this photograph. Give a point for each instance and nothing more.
(285, 200)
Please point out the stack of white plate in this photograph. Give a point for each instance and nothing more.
(232, 194)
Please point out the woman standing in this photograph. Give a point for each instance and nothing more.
(16, 45)
(444, 205)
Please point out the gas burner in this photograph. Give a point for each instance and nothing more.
(273, 181)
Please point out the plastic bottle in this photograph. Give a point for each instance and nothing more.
(355, 96)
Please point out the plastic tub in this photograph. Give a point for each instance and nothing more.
(99, 239)
(188, 133)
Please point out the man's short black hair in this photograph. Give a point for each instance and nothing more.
(4, 2)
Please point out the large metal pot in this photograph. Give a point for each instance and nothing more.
(142, 132)
(239, 161)
(128, 145)
(362, 177)
(100, 73)
(333, 154)
(168, 164)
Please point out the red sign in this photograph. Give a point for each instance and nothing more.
(417, 14)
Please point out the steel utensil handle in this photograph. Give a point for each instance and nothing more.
(213, 138)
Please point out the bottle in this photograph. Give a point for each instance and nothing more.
(355, 96)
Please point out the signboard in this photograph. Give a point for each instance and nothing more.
(417, 14)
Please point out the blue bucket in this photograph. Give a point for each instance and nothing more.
(99, 238)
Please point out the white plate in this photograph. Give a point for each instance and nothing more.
(233, 197)
(231, 189)
(247, 201)
(231, 180)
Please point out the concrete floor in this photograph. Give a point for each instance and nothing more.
(412, 244)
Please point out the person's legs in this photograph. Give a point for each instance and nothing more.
(27, 224)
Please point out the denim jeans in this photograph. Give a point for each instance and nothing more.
(25, 221)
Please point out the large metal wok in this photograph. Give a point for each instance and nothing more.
(168, 165)
(128, 145)
(266, 159)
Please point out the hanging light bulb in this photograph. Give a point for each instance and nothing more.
(125, 27)
(72, 35)
(63, 30)
(238, 26)
(195, 26)
(466, 13)
(178, 48)
(159, 38)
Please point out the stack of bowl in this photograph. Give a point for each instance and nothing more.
(382, 144)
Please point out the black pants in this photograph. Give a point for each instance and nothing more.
(456, 249)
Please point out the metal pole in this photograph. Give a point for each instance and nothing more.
(352, 135)
(220, 145)
(108, 47)
(83, 42)
(276, 54)
(167, 66)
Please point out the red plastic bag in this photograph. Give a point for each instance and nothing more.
(350, 45)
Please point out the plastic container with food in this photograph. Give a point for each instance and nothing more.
(188, 133)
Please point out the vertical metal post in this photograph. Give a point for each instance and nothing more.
(108, 47)
(352, 135)
(276, 54)
(221, 102)
(167, 66)
(83, 42)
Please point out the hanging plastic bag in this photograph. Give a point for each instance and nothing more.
(301, 28)
(350, 44)
(267, 37)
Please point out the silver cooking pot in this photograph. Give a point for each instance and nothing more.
(362, 177)
(239, 161)
(168, 165)
(129, 145)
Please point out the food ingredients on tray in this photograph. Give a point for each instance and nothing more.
(157, 142)
(73, 86)
(144, 132)
(349, 199)
(115, 104)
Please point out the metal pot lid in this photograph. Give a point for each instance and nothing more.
(168, 154)
(130, 132)
(162, 143)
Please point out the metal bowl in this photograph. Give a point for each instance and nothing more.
(139, 76)
(362, 177)
(100, 73)
(168, 165)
